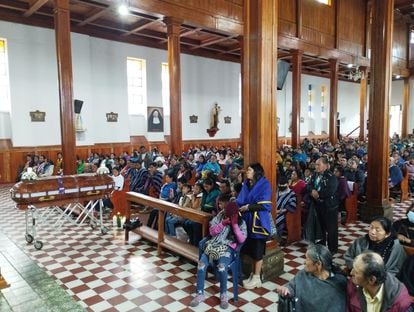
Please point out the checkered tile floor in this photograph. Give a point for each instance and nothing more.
(105, 273)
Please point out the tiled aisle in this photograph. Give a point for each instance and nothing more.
(103, 273)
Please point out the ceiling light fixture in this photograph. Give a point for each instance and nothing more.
(356, 74)
(123, 9)
(397, 77)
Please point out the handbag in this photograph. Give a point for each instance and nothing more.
(214, 251)
(286, 304)
(273, 229)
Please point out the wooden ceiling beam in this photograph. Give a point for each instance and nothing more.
(34, 7)
(186, 33)
(214, 41)
(140, 26)
(14, 5)
(93, 15)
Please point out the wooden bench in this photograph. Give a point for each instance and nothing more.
(294, 223)
(158, 236)
(409, 250)
(119, 201)
(404, 186)
(351, 205)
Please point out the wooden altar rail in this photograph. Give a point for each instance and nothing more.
(158, 237)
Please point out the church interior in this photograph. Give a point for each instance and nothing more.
(114, 112)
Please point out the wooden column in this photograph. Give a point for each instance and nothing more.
(333, 102)
(174, 70)
(259, 85)
(362, 103)
(64, 63)
(380, 92)
(296, 96)
(405, 108)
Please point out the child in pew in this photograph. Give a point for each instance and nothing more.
(171, 220)
(197, 196)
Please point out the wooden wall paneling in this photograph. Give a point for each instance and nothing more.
(201, 12)
(288, 17)
(3, 168)
(399, 40)
(318, 22)
(351, 26)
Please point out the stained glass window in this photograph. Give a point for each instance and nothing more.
(4, 78)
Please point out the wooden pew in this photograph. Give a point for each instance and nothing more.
(119, 201)
(351, 205)
(294, 223)
(404, 186)
(409, 250)
(159, 237)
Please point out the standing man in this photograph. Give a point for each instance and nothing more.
(144, 157)
(373, 289)
(322, 188)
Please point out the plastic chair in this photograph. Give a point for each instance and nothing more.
(234, 266)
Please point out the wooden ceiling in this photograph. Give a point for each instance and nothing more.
(100, 18)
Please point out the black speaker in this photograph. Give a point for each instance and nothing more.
(78, 106)
(282, 71)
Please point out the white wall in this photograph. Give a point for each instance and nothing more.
(348, 106)
(100, 80)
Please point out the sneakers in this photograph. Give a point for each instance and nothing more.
(247, 280)
(224, 302)
(197, 300)
(253, 282)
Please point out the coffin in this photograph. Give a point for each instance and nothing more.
(59, 190)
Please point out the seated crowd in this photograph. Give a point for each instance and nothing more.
(213, 180)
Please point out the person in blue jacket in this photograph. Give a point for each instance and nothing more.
(255, 202)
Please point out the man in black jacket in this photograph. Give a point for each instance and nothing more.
(322, 189)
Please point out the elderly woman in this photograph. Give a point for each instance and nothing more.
(255, 202)
(317, 287)
(380, 240)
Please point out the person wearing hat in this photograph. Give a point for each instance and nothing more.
(227, 229)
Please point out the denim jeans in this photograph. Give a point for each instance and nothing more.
(221, 268)
(170, 222)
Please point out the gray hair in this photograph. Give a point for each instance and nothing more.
(320, 253)
(373, 266)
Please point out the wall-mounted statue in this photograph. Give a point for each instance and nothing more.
(214, 120)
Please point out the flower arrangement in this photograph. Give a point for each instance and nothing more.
(102, 169)
(29, 175)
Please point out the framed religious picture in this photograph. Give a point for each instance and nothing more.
(155, 119)
(37, 116)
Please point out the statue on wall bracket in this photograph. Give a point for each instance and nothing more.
(214, 120)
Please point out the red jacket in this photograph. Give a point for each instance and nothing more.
(396, 297)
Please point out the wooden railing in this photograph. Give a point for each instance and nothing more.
(352, 131)
(158, 237)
